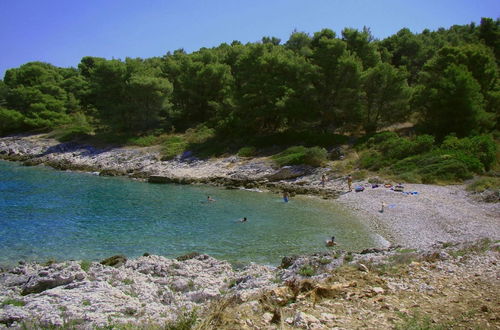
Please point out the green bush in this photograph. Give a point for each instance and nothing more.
(434, 166)
(297, 155)
(10, 121)
(373, 160)
(482, 147)
(143, 141)
(13, 302)
(483, 184)
(419, 160)
(247, 152)
(85, 265)
(78, 127)
(173, 146)
(423, 143)
(199, 134)
(306, 270)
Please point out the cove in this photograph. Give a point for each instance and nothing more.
(48, 214)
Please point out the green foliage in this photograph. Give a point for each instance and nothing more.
(386, 97)
(483, 184)
(185, 321)
(298, 155)
(247, 152)
(420, 160)
(482, 147)
(267, 93)
(128, 281)
(13, 302)
(307, 270)
(194, 139)
(10, 121)
(173, 146)
(456, 91)
(143, 141)
(418, 322)
(348, 257)
(78, 127)
(85, 265)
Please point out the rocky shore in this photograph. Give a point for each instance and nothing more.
(377, 288)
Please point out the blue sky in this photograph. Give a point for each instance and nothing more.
(61, 32)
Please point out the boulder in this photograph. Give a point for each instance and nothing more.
(287, 261)
(287, 172)
(188, 256)
(37, 284)
(114, 261)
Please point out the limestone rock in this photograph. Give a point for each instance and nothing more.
(287, 172)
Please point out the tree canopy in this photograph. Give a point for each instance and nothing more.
(447, 79)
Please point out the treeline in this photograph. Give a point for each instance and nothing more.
(446, 81)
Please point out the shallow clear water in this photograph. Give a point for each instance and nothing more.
(67, 215)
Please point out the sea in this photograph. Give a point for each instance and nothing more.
(47, 214)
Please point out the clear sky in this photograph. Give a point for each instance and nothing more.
(61, 32)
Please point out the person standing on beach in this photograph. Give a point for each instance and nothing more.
(349, 182)
(324, 178)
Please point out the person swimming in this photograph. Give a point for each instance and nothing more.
(210, 199)
(330, 242)
(286, 196)
(244, 219)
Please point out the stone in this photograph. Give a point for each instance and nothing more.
(304, 320)
(188, 256)
(114, 261)
(287, 173)
(287, 261)
(378, 290)
(40, 284)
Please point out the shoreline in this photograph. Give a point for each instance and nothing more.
(155, 291)
(436, 242)
(435, 214)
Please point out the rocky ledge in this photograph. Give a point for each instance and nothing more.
(153, 290)
(146, 164)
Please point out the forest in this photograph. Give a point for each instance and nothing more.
(310, 93)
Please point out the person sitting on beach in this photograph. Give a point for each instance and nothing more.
(399, 187)
(330, 242)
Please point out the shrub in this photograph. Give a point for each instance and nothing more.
(247, 152)
(423, 143)
(307, 270)
(297, 155)
(482, 147)
(173, 146)
(447, 168)
(315, 156)
(13, 302)
(143, 141)
(85, 265)
(199, 134)
(10, 121)
(77, 127)
(483, 184)
(373, 160)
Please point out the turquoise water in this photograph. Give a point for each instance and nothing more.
(48, 214)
